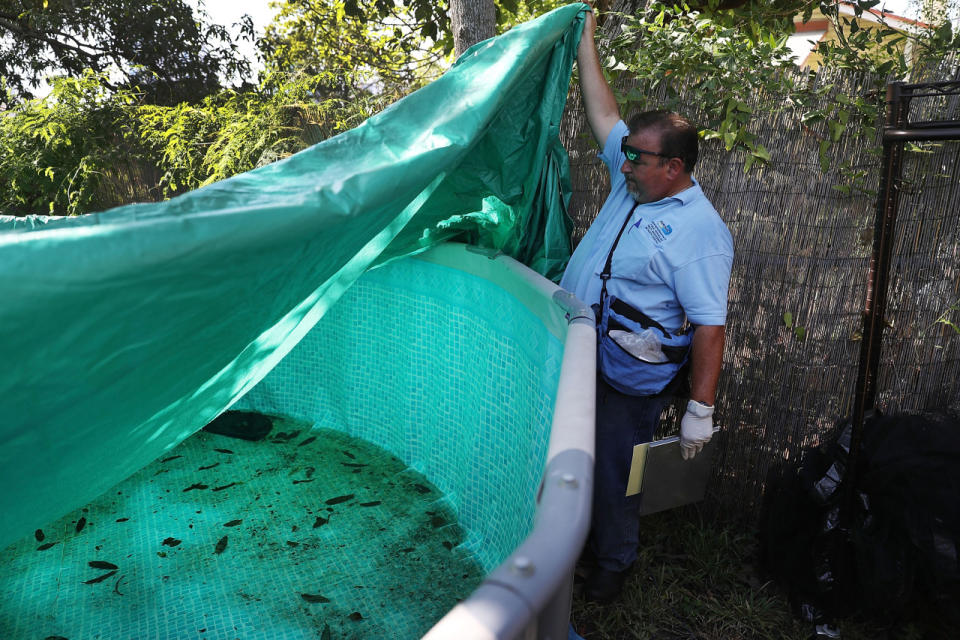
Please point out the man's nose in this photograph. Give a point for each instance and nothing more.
(625, 167)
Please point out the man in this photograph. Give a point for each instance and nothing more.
(654, 264)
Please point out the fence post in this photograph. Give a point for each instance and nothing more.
(888, 201)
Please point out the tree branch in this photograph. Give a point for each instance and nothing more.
(82, 49)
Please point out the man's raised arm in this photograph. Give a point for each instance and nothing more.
(599, 103)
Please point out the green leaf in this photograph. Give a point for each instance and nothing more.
(824, 158)
(761, 153)
(836, 130)
(800, 332)
(788, 319)
(729, 139)
(915, 148)
(945, 31)
(509, 5)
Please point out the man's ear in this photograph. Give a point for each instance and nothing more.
(674, 168)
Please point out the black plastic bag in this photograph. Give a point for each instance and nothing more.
(894, 558)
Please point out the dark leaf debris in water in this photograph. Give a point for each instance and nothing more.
(307, 441)
(353, 464)
(326, 635)
(310, 471)
(221, 545)
(422, 489)
(226, 486)
(370, 504)
(355, 616)
(38, 534)
(232, 523)
(55, 638)
(437, 521)
(102, 564)
(99, 578)
(319, 522)
(349, 455)
(122, 519)
(407, 550)
(292, 543)
(81, 523)
(303, 481)
(116, 587)
(314, 597)
(209, 466)
(448, 545)
(45, 546)
(339, 499)
(198, 485)
(223, 451)
(171, 542)
(169, 459)
(285, 437)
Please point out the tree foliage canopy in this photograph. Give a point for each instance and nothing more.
(87, 147)
(162, 46)
(95, 143)
(351, 47)
(355, 46)
(714, 57)
(332, 63)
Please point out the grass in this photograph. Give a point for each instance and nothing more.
(699, 580)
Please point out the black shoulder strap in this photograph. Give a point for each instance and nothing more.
(605, 274)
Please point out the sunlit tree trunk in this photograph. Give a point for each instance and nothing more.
(472, 21)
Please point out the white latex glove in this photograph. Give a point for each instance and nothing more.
(696, 428)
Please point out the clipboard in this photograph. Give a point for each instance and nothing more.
(664, 478)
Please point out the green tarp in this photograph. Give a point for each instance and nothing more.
(123, 332)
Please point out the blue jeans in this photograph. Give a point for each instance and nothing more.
(622, 422)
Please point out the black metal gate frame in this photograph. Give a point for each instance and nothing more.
(898, 129)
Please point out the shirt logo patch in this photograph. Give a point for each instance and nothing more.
(658, 231)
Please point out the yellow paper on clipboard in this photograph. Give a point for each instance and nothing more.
(635, 480)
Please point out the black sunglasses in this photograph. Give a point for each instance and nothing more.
(633, 154)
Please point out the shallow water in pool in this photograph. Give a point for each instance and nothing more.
(309, 533)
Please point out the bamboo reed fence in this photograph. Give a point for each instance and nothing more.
(803, 247)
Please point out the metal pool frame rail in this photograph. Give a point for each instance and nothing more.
(529, 594)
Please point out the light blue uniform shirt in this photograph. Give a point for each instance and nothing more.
(674, 257)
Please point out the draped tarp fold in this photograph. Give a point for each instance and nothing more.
(123, 332)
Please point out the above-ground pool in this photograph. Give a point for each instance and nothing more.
(446, 399)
